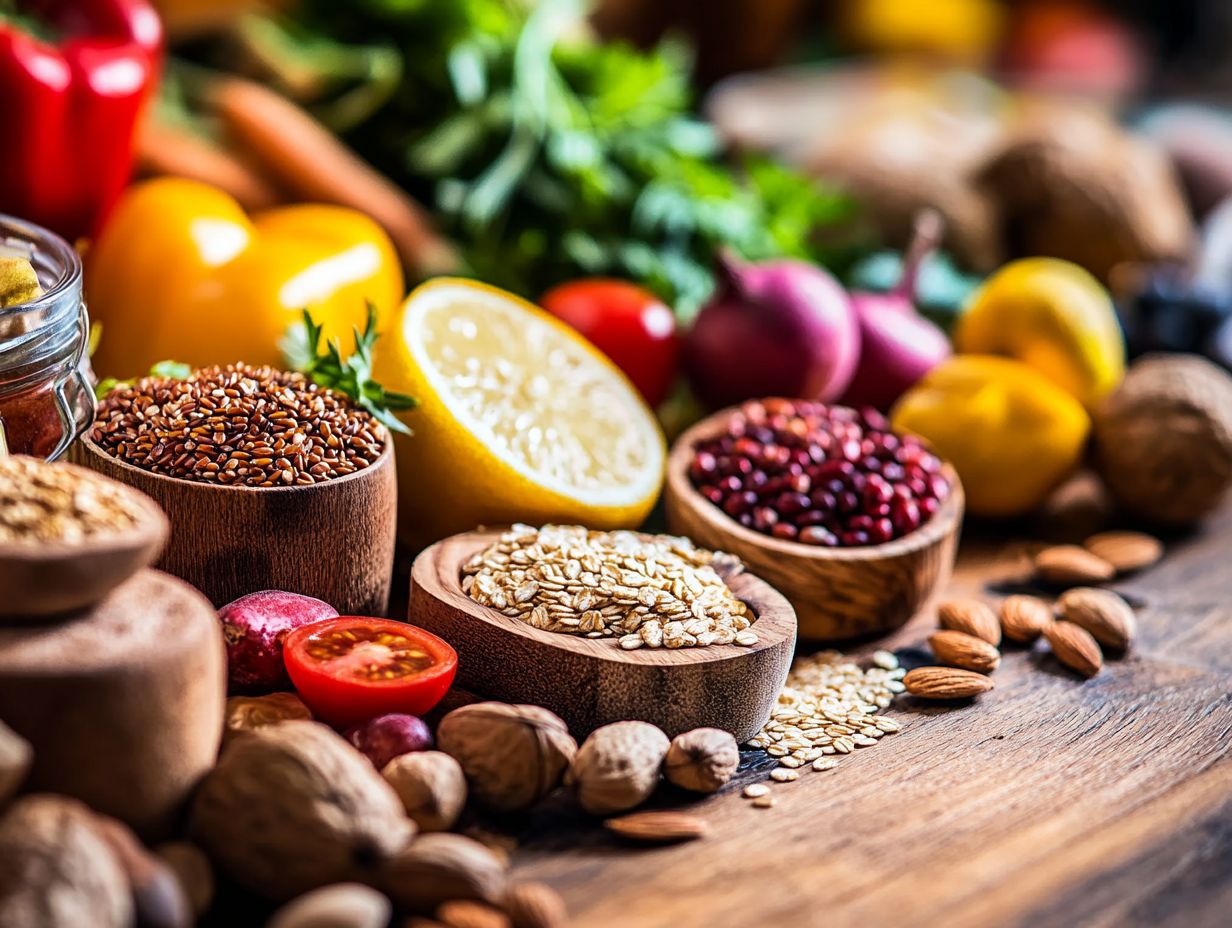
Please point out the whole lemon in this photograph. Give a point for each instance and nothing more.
(1053, 316)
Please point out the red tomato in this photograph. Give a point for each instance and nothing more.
(353, 668)
(627, 323)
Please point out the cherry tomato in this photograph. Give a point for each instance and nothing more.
(352, 668)
(627, 323)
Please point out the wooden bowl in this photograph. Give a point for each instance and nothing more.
(332, 540)
(591, 682)
(838, 593)
(51, 579)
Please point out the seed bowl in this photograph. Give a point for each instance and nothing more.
(838, 593)
(591, 682)
(331, 540)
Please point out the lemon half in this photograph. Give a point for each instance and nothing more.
(521, 419)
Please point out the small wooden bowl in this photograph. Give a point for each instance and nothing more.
(332, 540)
(591, 682)
(42, 582)
(838, 593)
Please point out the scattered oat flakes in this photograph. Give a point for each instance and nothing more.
(825, 763)
(783, 775)
(754, 790)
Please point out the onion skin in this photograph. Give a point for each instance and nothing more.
(897, 348)
(779, 328)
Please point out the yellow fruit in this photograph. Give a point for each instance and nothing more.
(521, 419)
(1011, 434)
(1053, 316)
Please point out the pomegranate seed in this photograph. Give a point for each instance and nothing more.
(784, 530)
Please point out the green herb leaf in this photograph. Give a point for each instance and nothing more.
(170, 370)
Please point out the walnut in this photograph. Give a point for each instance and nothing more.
(702, 760)
(437, 868)
(56, 870)
(248, 713)
(513, 756)
(16, 755)
(432, 788)
(617, 767)
(343, 905)
(292, 806)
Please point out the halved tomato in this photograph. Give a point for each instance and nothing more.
(352, 668)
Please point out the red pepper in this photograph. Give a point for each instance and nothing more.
(71, 106)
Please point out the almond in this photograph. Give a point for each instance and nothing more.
(1103, 613)
(1024, 618)
(1069, 565)
(958, 649)
(970, 616)
(657, 827)
(535, 905)
(945, 683)
(1126, 551)
(1075, 648)
(466, 913)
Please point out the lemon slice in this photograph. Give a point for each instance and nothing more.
(521, 419)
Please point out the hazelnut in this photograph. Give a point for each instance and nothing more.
(513, 756)
(617, 767)
(432, 788)
(190, 865)
(437, 868)
(702, 760)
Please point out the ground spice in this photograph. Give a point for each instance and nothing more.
(42, 502)
(238, 425)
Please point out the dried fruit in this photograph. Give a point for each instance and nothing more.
(254, 627)
(466, 913)
(436, 868)
(617, 767)
(958, 649)
(16, 755)
(432, 788)
(388, 736)
(945, 683)
(970, 616)
(292, 806)
(342, 905)
(702, 760)
(513, 756)
(1075, 648)
(1126, 551)
(248, 713)
(1024, 618)
(56, 870)
(657, 827)
(1103, 613)
(192, 868)
(535, 905)
(1067, 565)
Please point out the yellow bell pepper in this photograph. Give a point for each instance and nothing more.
(181, 273)
(1011, 433)
(1053, 316)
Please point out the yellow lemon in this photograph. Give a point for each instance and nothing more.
(520, 418)
(1053, 316)
(1011, 434)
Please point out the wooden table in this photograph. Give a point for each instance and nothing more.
(1050, 801)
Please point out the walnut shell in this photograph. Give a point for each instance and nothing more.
(1163, 440)
(702, 760)
(436, 868)
(617, 767)
(292, 806)
(432, 788)
(57, 871)
(513, 756)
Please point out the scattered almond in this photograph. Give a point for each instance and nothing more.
(763, 802)
(970, 616)
(945, 683)
(958, 649)
(1103, 613)
(1075, 648)
(1126, 551)
(1024, 618)
(1071, 565)
(465, 913)
(535, 905)
(657, 827)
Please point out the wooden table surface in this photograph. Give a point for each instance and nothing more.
(1048, 802)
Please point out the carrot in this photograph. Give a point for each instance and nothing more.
(312, 163)
(163, 148)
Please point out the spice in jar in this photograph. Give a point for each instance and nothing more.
(238, 425)
(646, 590)
(820, 475)
(42, 502)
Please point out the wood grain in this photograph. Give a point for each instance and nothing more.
(838, 593)
(592, 682)
(332, 540)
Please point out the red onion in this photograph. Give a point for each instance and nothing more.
(780, 328)
(898, 346)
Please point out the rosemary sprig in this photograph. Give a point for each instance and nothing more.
(351, 375)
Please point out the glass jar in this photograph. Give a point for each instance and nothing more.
(46, 400)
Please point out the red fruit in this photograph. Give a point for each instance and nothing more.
(254, 627)
(388, 736)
